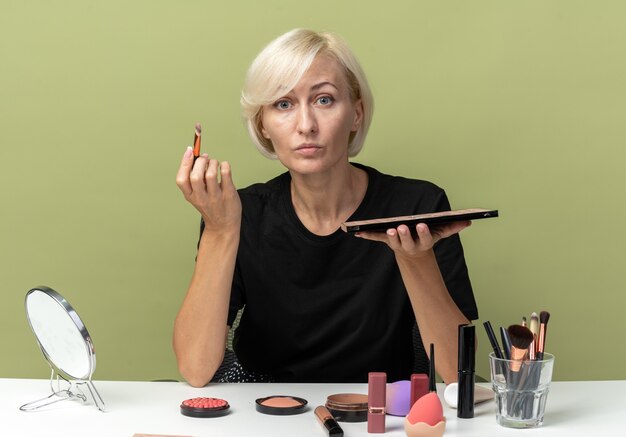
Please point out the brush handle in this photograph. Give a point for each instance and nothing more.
(506, 343)
(525, 382)
(432, 386)
(493, 340)
(531, 385)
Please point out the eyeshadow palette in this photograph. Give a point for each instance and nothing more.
(431, 219)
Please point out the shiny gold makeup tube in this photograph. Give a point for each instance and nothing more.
(328, 422)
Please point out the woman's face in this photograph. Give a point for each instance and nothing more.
(310, 126)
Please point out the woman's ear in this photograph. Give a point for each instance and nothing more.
(259, 124)
(264, 132)
(358, 115)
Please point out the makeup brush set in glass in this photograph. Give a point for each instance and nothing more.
(521, 371)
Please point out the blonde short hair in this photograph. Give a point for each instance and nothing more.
(281, 65)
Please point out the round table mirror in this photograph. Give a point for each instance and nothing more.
(65, 343)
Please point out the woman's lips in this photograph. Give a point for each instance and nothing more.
(308, 149)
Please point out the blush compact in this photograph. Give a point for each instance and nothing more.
(204, 407)
(279, 405)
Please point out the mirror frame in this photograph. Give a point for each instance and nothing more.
(80, 326)
(72, 383)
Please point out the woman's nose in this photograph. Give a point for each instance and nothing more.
(307, 122)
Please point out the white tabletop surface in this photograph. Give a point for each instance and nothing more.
(573, 409)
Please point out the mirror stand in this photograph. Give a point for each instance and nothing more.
(64, 389)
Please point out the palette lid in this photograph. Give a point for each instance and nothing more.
(347, 401)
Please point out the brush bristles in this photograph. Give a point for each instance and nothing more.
(544, 316)
(198, 129)
(534, 323)
(521, 336)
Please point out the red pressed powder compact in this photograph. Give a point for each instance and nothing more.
(204, 407)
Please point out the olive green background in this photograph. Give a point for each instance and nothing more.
(514, 105)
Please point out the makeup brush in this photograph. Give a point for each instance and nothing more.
(506, 343)
(521, 337)
(524, 321)
(432, 386)
(544, 316)
(534, 323)
(521, 376)
(493, 340)
(534, 328)
(196, 141)
(534, 374)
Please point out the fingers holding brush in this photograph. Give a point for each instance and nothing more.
(194, 172)
(217, 177)
(226, 183)
(210, 178)
(208, 185)
(214, 194)
(187, 164)
(201, 172)
(182, 176)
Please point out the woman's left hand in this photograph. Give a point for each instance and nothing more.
(405, 245)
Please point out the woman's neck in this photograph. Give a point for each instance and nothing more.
(323, 201)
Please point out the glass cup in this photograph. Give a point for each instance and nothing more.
(521, 390)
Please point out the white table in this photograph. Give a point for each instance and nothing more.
(574, 409)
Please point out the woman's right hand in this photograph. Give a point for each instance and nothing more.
(201, 324)
(213, 195)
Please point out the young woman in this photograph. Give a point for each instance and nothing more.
(320, 305)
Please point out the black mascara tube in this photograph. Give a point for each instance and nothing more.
(467, 366)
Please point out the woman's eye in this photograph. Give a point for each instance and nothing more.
(325, 100)
(282, 104)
